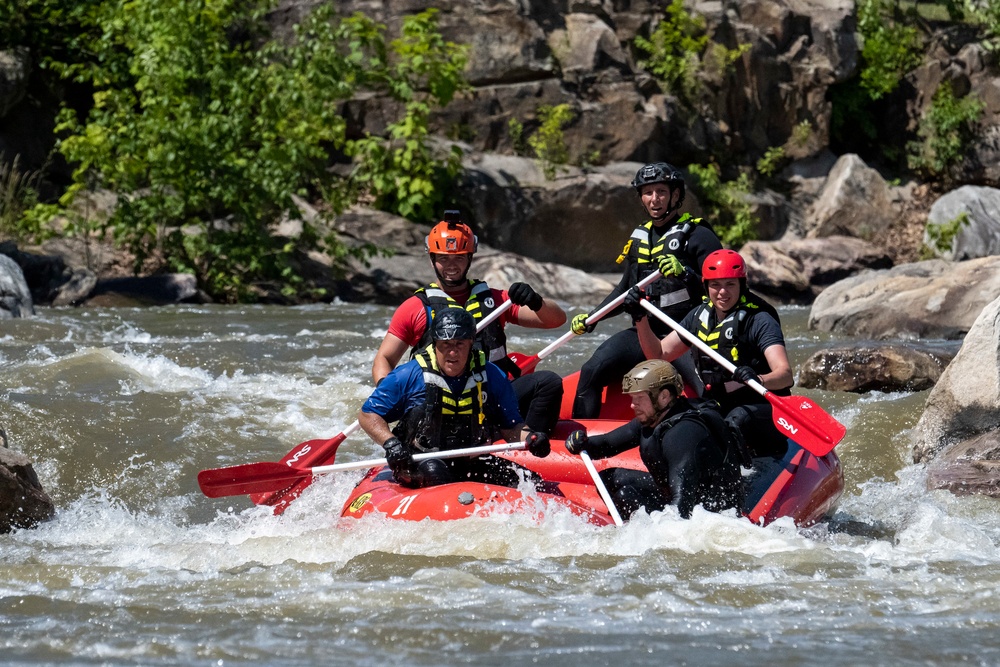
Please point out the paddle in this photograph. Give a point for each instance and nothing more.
(271, 477)
(318, 451)
(601, 489)
(801, 418)
(527, 364)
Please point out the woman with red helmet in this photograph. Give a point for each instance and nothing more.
(743, 328)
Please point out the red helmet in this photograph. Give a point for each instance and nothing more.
(723, 264)
(451, 237)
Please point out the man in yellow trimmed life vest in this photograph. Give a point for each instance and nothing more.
(743, 328)
(448, 397)
(451, 246)
(672, 243)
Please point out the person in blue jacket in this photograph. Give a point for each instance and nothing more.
(447, 397)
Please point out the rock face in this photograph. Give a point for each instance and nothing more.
(23, 502)
(933, 299)
(965, 402)
(872, 368)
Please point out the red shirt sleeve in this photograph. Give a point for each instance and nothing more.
(409, 321)
(509, 317)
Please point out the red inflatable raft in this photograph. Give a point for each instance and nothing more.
(800, 485)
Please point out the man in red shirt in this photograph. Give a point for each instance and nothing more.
(451, 245)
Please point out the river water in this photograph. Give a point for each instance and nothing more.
(120, 409)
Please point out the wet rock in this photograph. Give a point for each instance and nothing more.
(866, 368)
(15, 298)
(971, 467)
(23, 501)
(158, 290)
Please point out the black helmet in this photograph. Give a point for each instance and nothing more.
(453, 324)
(660, 172)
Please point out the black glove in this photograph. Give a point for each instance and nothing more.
(538, 444)
(400, 460)
(576, 442)
(523, 295)
(632, 303)
(744, 374)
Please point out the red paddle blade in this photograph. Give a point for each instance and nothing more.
(305, 455)
(526, 364)
(266, 477)
(802, 420)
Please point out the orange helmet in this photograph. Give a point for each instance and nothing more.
(723, 264)
(451, 237)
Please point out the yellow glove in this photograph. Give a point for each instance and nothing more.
(579, 324)
(670, 266)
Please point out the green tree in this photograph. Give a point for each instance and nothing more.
(945, 132)
(674, 50)
(726, 204)
(206, 130)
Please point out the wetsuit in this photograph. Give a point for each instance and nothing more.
(691, 240)
(690, 459)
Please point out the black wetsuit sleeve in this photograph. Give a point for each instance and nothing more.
(702, 243)
(680, 447)
(619, 440)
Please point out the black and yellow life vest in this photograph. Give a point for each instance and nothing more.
(671, 291)
(450, 420)
(729, 339)
(480, 304)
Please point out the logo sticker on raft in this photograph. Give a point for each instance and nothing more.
(359, 502)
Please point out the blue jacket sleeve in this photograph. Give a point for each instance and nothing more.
(400, 391)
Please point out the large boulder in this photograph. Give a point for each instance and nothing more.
(23, 501)
(932, 299)
(855, 201)
(965, 402)
(799, 269)
(969, 219)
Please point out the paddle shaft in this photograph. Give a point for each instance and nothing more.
(596, 316)
(275, 478)
(447, 454)
(810, 425)
(601, 488)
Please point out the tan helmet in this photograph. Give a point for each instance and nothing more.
(651, 376)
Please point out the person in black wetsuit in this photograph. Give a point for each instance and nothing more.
(744, 329)
(672, 243)
(686, 448)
